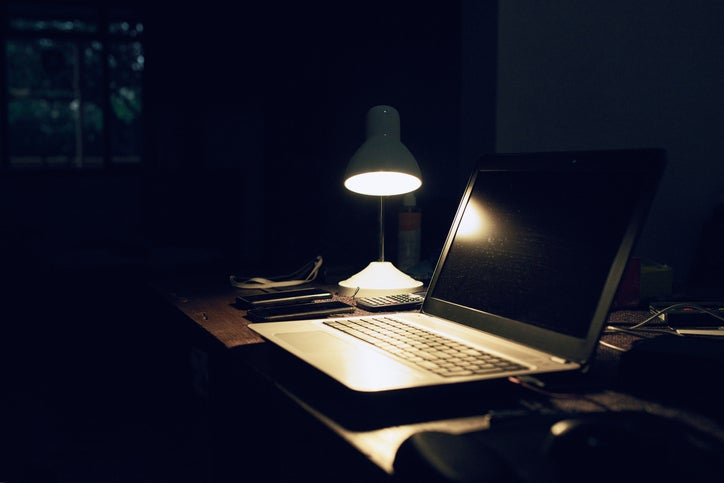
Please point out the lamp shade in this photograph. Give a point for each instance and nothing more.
(383, 166)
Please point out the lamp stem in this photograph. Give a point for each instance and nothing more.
(382, 229)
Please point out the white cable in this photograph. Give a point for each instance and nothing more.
(676, 306)
(274, 282)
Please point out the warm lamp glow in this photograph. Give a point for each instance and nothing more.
(475, 223)
(383, 166)
(382, 183)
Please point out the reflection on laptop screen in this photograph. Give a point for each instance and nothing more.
(537, 247)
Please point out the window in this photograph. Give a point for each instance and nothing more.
(73, 95)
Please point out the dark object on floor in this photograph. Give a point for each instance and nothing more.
(625, 447)
(676, 370)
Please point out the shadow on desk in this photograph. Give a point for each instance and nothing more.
(360, 411)
(679, 371)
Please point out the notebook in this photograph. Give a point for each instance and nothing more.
(527, 273)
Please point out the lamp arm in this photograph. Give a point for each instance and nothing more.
(382, 229)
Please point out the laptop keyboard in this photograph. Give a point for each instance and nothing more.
(428, 350)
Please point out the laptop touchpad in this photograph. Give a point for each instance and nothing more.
(315, 341)
(362, 369)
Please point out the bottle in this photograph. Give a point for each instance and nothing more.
(409, 233)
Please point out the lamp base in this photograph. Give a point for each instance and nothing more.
(379, 278)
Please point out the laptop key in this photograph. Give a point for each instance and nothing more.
(444, 357)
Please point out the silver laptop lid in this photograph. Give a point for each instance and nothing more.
(539, 243)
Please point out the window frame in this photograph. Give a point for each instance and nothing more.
(103, 16)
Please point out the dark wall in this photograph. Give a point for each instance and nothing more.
(273, 99)
(592, 75)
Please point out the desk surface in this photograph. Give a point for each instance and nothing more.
(212, 307)
(211, 304)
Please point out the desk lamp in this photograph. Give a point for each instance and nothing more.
(382, 166)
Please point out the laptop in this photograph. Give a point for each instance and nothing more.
(527, 273)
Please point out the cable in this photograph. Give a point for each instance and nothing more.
(646, 332)
(676, 306)
(637, 331)
(612, 346)
(311, 269)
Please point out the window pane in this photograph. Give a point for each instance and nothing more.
(54, 94)
(39, 129)
(40, 91)
(126, 70)
(92, 94)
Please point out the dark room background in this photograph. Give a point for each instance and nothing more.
(251, 111)
(248, 115)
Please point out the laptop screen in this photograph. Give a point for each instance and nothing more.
(539, 239)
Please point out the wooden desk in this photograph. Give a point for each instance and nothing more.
(305, 420)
